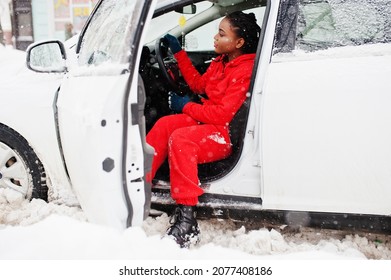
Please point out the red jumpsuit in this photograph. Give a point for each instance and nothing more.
(201, 133)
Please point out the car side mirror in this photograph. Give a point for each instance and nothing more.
(47, 57)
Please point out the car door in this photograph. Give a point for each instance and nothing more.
(98, 108)
(326, 106)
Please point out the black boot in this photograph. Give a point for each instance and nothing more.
(184, 227)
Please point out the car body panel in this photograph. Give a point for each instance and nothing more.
(32, 102)
(89, 129)
(323, 135)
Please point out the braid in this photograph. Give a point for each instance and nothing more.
(246, 27)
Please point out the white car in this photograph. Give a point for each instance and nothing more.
(311, 145)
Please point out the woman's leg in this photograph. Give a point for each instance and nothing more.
(158, 137)
(188, 147)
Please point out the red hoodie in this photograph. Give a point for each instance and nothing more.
(225, 83)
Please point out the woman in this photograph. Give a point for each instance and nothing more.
(199, 132)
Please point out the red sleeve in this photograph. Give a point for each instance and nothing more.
(193, 78)
(221, 113)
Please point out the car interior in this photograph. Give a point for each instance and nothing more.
(160, 73)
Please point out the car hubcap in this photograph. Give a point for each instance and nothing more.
(13, 172)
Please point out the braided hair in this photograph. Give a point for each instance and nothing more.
(246, 27)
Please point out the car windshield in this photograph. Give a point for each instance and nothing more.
(168, 21)
(197, 26)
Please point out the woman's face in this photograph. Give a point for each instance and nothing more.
(226, 41)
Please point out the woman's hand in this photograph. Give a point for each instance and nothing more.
(176, 102)
(173, 43)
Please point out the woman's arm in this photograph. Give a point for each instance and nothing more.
(221, 113)
(193, 78)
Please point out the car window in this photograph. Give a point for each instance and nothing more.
(104, 38)
(201, 39)
(320, 24)
(323, 24)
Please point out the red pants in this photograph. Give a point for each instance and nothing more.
(187, 144)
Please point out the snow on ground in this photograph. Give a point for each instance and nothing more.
(40, 230)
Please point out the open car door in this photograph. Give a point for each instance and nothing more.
(100, 107)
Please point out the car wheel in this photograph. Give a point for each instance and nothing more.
(20, 169)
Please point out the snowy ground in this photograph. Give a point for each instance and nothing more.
(62, 232)
(49, 239)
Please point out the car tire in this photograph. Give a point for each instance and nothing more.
(20, 168)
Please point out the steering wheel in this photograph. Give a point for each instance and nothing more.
(167, 64)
